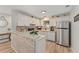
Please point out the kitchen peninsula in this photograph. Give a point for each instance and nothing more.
(24, 42)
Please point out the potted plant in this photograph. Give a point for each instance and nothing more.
(34, 32)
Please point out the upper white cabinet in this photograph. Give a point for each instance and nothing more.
(24, 20)
(52, 21)
(36, 21)
(42, 23)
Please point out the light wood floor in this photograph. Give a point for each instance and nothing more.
(6, 48)
(51, 47)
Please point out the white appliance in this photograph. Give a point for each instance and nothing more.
(63, 33)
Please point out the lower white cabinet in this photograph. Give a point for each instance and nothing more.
(45, 34)
(49, 35)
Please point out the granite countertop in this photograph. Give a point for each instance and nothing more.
(28, 35)
(45, 31)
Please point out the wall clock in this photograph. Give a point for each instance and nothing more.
(3, 22)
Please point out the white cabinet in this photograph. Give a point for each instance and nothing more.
(23, 20)
(27, 20)
(45, 34)
(35, 21)
(20, 20)
(52, 21)
(49, 35)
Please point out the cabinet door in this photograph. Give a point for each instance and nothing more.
(20, 20)
(27, 21)
(40, 45)
(52, 21)
(23, 20)
(51, 36)
(45, 34)
(37, 22)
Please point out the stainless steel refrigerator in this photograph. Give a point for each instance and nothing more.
(63, 33)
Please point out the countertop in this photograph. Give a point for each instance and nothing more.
(45, 31)
(28, 35)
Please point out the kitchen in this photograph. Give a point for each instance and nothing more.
(44, 20)
(45, 26)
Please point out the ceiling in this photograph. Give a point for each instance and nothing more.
(35, 10)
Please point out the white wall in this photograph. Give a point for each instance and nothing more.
(8, 18)
(75, 30)
(14, 20)
(75, 37)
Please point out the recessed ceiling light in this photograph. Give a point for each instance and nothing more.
(43, 12)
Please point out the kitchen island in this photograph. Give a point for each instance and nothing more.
(24, 42)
